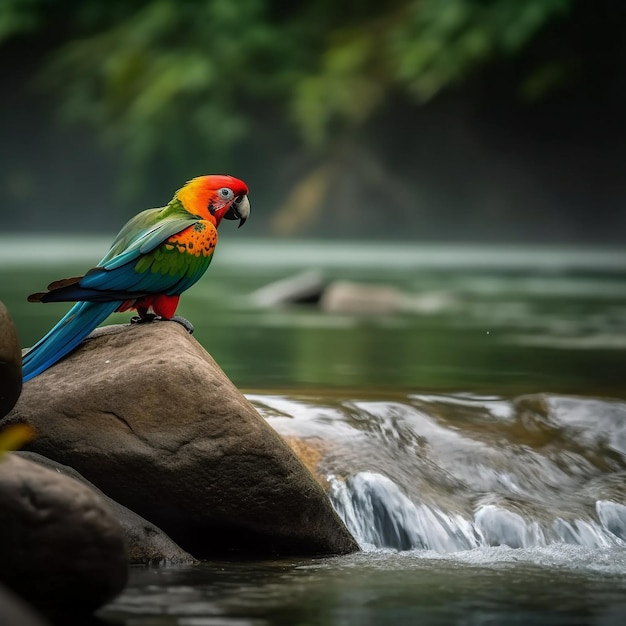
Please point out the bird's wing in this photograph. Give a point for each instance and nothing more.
(142, 235)
(144, 267)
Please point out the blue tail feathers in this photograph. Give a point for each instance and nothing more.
(79, 321)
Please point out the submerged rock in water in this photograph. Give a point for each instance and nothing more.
(10, 363)
(304, 288)
(146, 544)
(146, 415)
(349, 297)
(62, 549)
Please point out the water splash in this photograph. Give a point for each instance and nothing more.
(612, 515)
(379, 515)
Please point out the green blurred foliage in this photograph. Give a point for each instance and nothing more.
(418, 46)
(166, 81)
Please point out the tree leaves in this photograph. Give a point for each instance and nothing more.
(183, 82)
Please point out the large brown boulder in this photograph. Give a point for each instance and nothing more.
(145, 414)
(62, 549)
(10, 363)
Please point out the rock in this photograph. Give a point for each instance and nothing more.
(146, 543)
(346, 297)
(15, 612)
(303, 288)
(62, 549)
(10, 363)
(370, 299)
(310, 452)
(145, 414)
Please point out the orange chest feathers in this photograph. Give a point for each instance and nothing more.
(197, 240)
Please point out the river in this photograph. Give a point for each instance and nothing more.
(473, 439)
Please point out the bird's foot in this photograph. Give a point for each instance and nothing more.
(151, 317)
(184, 322)
(143, 319)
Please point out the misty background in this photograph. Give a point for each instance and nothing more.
(424, 120)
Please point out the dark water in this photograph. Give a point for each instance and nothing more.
(473, 440)
(560, 586)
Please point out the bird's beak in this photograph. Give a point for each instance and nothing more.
(239, 210)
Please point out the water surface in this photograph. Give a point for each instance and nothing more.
(474, 318)
(474, 440)
(562, 586)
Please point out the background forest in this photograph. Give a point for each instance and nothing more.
(428, 120)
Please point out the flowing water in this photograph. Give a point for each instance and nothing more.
(473, 439)
(447, 473)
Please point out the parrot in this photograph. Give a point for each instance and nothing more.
(156, 256)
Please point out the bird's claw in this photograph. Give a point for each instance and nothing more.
(143, 319)
(184, 322)
(151, 317)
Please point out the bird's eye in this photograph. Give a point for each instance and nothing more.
(226, 193)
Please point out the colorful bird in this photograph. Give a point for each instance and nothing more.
(156, 256)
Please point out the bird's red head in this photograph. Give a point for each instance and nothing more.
(215, 197)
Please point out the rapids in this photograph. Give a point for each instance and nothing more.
(446, 473)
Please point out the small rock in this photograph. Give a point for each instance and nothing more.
(303, 288)
(62, 549)
(146, 544)
(10, 363)
(348, 297)
(145, 414)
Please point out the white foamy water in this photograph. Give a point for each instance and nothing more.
(379, 515)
